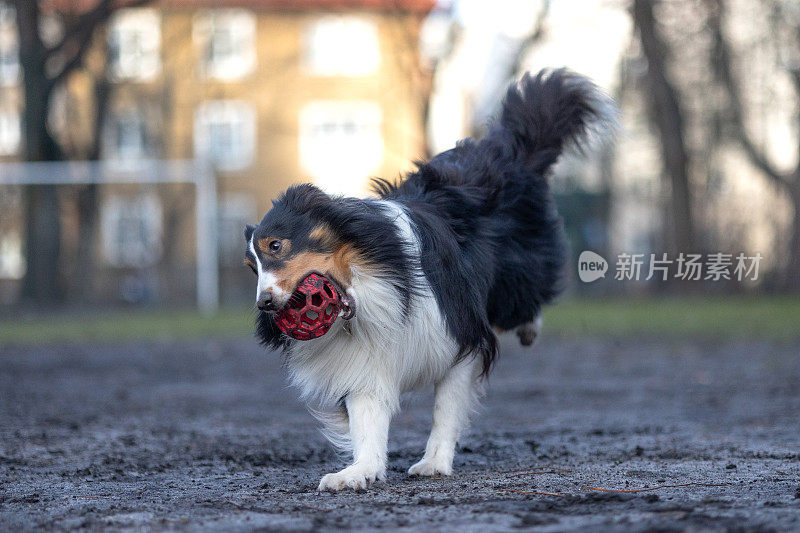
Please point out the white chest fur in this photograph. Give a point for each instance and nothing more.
(377, 352)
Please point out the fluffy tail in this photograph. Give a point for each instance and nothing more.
(488, 191)
(547, 113)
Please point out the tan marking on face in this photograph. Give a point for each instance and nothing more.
(335, 265)
(286, 246)
(323, 233)
(249, 263)
(343, 258)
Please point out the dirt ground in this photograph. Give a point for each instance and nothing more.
(207, 435)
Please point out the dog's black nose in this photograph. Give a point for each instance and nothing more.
(265, 301)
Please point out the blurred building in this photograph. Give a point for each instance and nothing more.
(274, 92)
(270, 92)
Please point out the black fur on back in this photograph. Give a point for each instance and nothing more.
(492, 244)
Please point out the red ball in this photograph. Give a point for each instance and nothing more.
(312, 309)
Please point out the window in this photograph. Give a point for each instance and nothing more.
(227, 42)
(127, 137)
(342, 46)
(10, 132)
(131, 230)
(224, 133)
(134, 44)
(12, 262)
(235, 211)
(341, 143)
(9, 48)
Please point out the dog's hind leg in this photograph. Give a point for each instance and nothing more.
(369, 416)
(455, 396)
(530, 331)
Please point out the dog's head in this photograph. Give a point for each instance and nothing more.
(294, 239)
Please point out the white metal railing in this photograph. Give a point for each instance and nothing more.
(149, 171)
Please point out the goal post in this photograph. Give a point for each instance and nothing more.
(195, 172)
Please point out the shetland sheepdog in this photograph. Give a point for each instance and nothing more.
(467, 246)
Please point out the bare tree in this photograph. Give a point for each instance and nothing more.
(787, 181)
(511, 67)
(668, 117)
(88, 195)
(44, 69)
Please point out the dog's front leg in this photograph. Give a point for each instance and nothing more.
(455, 396)
(369, 432)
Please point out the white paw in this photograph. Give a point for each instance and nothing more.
(353, 477)
(431, 467)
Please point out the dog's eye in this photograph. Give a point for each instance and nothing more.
(275, 246)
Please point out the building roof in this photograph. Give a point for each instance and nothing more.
(304, 5)
(422, 6)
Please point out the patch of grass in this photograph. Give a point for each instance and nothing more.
(774, 318)
(134, 325)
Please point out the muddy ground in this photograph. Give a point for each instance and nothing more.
(208, 435)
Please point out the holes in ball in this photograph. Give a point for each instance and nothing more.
(316, 299)
(328, 291)
(329, 310)
(313, 315)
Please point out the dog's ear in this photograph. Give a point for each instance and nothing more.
(248, 232)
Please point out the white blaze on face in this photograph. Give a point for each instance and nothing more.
(266, 280)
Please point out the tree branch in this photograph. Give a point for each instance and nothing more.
(795, 77)
(664, 104)
(80, 33)
(530, 39)
(78, 24)
(78, 37)
(31, 46)
(724, 73)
